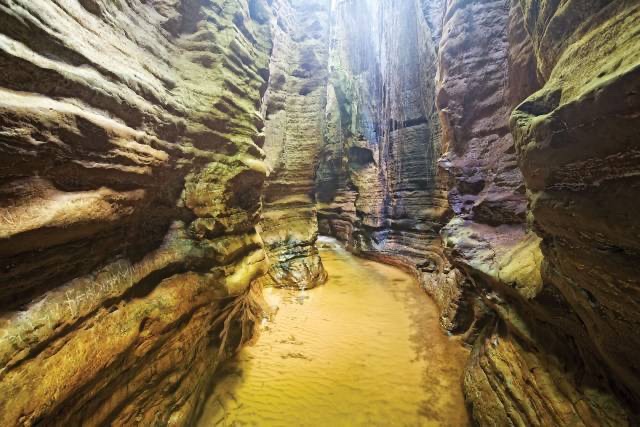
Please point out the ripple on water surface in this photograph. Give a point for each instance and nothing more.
(364, 349)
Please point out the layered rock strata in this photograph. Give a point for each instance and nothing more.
(577, 145)
(378, 184)
(550, 347)
(130, 184)
(488, 146)
(293, 109)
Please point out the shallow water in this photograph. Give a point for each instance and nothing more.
(364, 349)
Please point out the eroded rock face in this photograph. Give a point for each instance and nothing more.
(379, 187)
(577, 143)
(543, 352)
(293, 108)
(488, 146)
(131, 175)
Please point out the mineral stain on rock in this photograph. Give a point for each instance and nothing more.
(364, 349)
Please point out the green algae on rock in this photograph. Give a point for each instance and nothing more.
(130, 193)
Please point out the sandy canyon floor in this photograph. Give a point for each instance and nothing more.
(363, 349)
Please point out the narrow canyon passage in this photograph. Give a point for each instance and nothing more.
(166, 168)
(363, 349)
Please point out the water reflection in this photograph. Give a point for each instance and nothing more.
(364, 349)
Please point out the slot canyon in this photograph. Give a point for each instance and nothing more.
(319, 212)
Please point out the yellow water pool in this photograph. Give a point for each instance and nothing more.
(365, 349)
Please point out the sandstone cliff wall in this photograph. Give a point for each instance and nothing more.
(577, 143)
(379, 187)
(293, 108)
(552, 342)
(161, 160)
(130, 183)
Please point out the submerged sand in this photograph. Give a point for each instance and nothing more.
(364, 349)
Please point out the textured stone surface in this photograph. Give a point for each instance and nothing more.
(130, 187)
(378, 184)
(293, 108)
(487, 146)
(535, 358)
(485, 66)
(577, 142)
